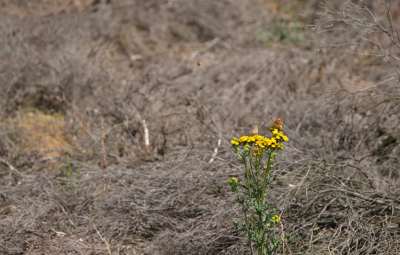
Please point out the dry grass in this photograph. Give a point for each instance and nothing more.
(136, 62)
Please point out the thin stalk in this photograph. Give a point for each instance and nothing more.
(256, 164)
(256, 168)
(247, 224)
(260, 245)
(266, 176)
(248, 186)
(265, 188)
(260, 157)
(255, 187)
(251, 248)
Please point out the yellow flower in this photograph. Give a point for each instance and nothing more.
(275, 219)
(285, 138)
(235, 141)
(259, 137)
(275, 131)
(280, 146)
(243, 139)
(277, 137)
(251, 139)
(257, 151)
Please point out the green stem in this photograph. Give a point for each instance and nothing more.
(248, 234)
(247, 224)
(260, 245)
(266, 176)
(248, 186)
(256, 187)
(255, 163)
(265, 188)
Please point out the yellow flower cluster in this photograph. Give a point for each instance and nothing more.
(278, 134)
(275, 219)
(261, 142)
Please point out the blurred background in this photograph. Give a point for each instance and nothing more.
(171, 82)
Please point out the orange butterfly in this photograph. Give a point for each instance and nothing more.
(277, 123)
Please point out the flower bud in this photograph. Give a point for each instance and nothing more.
(234, 184)
(275, 219)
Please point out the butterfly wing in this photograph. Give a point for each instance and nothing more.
(255, 130)
(277, 123)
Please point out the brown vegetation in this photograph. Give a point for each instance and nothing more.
(67, 65)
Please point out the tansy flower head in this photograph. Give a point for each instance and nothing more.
(251, 139)
(275, 219)
(262, 143)
(235, 141)
(259, 137)
(243, 139)
(257, 151)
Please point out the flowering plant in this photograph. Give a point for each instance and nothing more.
(260, 219)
